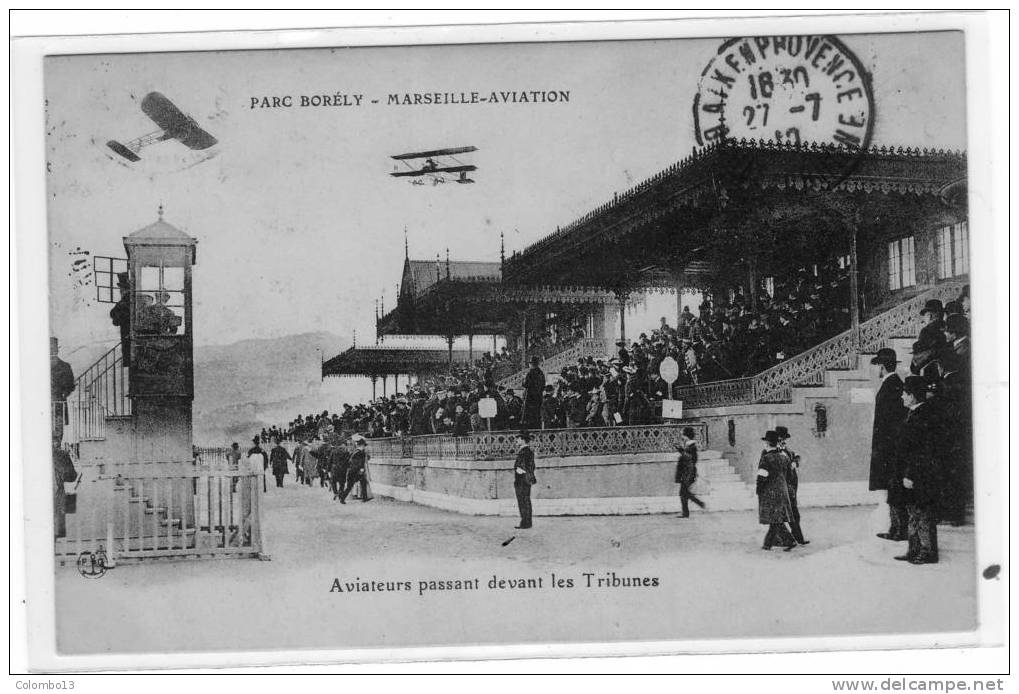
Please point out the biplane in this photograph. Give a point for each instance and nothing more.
(437, 165)
(174, 124)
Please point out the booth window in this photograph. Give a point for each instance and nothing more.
(159, 301)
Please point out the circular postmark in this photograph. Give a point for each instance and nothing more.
(790, 90)
(92, 564)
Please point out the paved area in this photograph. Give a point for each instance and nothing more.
(408, 575)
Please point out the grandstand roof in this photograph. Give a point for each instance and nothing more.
(379, 360)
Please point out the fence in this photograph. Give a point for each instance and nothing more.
(501, 445)
(165, 510)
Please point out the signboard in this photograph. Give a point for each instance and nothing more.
(487, 408)
(669, 370)
(672, 409)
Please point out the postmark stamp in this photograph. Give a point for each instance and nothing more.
(787, 90)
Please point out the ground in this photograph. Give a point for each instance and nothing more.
(707, 576)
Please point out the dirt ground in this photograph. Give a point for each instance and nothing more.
(705, 577)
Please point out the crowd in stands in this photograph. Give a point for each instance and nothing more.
(726, 338)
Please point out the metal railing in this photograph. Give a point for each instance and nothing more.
(560, 357)
(807, 368)
(165, 510)
(100, 392)
(501, 445)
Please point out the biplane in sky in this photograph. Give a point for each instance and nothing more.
(174, 124)
(438, 164)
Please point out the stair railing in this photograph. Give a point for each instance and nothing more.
(101, 391)
(807, 368)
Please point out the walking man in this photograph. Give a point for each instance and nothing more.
(919, 470)
(792, 482)
(257, 450)
(356, 472)
(278, 457)
(523, 478)
(686, 471)
(889, 414)
(773, 508)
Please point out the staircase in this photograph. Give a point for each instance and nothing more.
(100, 396)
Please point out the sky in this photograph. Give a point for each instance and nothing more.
(299, 226)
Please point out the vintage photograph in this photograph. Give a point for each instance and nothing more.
(496, 343)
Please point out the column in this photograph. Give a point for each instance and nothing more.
(374, 379)
(470, 348)
(854, 290)
(523, 338)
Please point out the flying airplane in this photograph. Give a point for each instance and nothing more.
(173, 123)
(436, 166)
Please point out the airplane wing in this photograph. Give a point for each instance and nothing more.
(435, 153)
(177, 125)
(399, 174)
(454, 169)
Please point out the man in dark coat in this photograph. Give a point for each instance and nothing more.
(550, 409)
(889, 413)
(523, 478)
(120, 314)
(63, 471)
(773, 506)
(356, 473)
(919, 468)
(61, 385)
(534, 385)
(792, 479)
(339, 466)
(514, 409)
(278, 458)
(928, 346)
(686, 471)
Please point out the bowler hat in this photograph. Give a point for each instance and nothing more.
(885, 355)
(535, 360)
(783, 433)
(771, 437)
(915, 385)
(525, 435)
(933, 306)
(688, 432)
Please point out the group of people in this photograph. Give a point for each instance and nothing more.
(336, 462)
(922, 445)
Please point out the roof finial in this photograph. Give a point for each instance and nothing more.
(406, 245)
(355, 337)
(160, 210)
(447, 262)
(502, 251)
(438, 276)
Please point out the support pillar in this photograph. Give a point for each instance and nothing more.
(494, 345)
(449, 345)
(854, 290)
(374, 380)
(523, 338)
(470, 348)
(621, 297)
(752, 272)
(384, 379)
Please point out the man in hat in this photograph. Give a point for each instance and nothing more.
(889, 413)
(357, 473)
(792, 482)
(957, 339)
(63, 471)
(61, 385)
(550, 409)
(773, 507)
(120, 314)
(534, 384)
(255, 451)
(278, 458)
(928, 346)
(523, 478)
(514, 409)
(686, 470)
(624, 356)
(919, 464)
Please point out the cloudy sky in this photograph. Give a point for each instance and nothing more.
(299, 226)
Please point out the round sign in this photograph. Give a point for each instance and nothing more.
(669, 370)
(487, 408)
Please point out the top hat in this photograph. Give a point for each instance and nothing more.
(885, 355)
(783, 433)
(933, 306)
(915, 385)
(688, 432)
(525, 435)
(771, 437)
